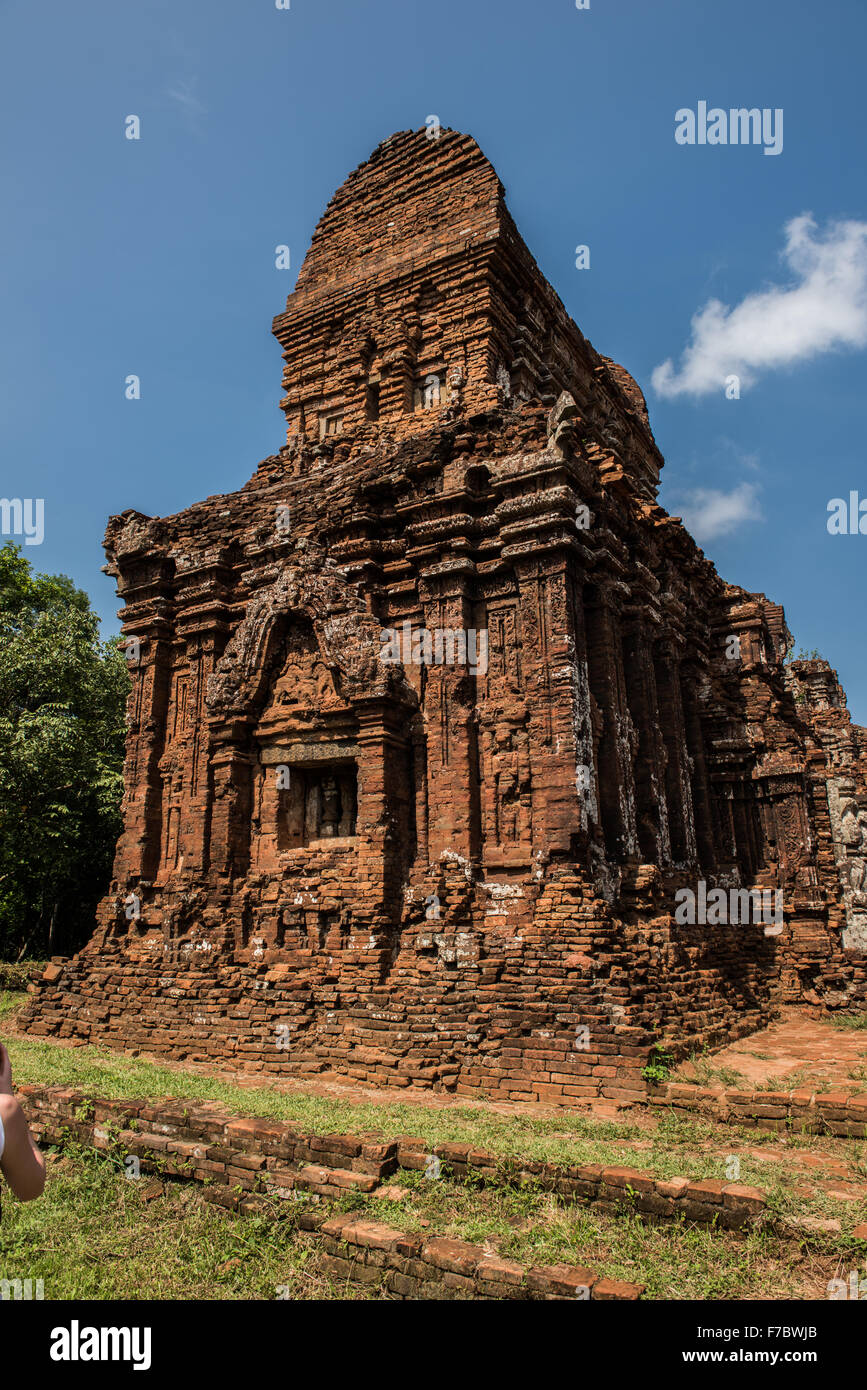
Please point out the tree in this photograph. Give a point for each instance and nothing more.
(62, 702)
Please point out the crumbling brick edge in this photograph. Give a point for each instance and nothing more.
(245, 1164)
(404, 1265)
(830, 1112)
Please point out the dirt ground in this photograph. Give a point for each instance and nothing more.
(795, 1053)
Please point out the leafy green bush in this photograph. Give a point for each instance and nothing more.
(62, 703)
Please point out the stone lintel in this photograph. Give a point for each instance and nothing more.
(307, 753)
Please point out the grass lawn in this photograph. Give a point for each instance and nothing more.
(96, 1234)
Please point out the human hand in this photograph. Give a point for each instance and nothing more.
(5, 1072)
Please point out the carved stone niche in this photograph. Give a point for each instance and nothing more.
(316, 790)
(788, 811)
(307, 733)
(848, 817)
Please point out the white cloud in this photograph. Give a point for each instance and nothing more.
(709, 512)
(823, 307)
(183, 93)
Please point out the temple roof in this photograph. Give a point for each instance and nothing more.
(408, 200)
(417, 273)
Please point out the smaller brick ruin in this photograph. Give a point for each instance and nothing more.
(434, 718)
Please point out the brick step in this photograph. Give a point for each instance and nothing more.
(270, 1157)
(327, 1182)
(416, 1267)
(234, 1168)
(838, 1113)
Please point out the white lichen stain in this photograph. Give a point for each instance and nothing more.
(503, 890)
(464, 864)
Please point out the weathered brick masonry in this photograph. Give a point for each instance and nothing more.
(438, 871)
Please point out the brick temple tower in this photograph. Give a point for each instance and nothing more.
(432, 720)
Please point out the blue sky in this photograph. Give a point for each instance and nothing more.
(156, 256)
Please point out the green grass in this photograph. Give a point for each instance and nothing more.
(97, 1235)
(93, 1235)
(856, 1022)
(10, 1001)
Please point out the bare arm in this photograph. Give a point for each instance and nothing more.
(22, 1164)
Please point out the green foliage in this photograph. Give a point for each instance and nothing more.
(62, 701)
(802, 654)
(659, 1065)
(17, 975)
